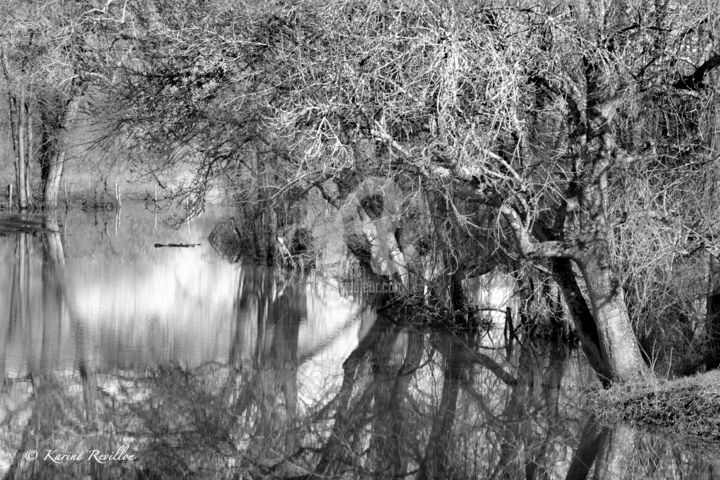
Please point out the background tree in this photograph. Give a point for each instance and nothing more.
(51, 54)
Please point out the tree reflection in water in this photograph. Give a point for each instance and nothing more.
(403, 403)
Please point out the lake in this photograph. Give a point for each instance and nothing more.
(123, 359)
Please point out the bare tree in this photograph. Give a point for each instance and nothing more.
(531, 116)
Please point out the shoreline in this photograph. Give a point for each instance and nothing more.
(687, 408)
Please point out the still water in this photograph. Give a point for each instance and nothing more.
(123, 360)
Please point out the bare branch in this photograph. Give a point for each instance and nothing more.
(694, 81)
(527, 246)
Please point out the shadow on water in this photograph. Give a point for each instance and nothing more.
(174, 364)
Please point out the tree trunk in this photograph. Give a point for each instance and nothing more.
(53, 294)
(56, 161)
(582, 317)
(21, 159)
(52, 185)
(348, 412)
(28, 150)
(712, 203)
(438, 451)
(12, 102)
(712, 314)
(16, 127)
(616, 446)
(586, 453)
(618, 344)
(388, 452)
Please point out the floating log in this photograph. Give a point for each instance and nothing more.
(176, 245)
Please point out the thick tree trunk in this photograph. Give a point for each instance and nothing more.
(616, 446)
(618, 344)
(582, 317)
(55, 157)
(619, 358)
(52, 185)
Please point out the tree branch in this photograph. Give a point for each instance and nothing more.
(494, 367)
(571, 101)
(694, 81)
(528, 247)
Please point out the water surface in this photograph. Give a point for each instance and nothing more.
(198, 368)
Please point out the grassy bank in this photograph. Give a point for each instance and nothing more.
(688, 408)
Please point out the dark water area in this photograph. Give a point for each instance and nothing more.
(123, 360)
